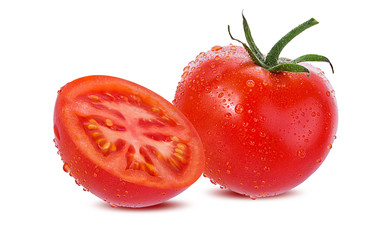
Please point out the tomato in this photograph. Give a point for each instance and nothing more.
(264, 131)
(125, 143)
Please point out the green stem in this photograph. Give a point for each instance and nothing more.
(253, 55)
(274, 53)
(250, 40)
(272, 62)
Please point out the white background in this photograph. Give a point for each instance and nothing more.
(45, 44)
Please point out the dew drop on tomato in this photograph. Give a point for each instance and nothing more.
(77, 182)
(66, 168)
(301, 153)
(250, 83)
(266, 169)
(239, 108)
(216, 48)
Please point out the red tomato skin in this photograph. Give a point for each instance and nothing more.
(263, 133)
(95, 179)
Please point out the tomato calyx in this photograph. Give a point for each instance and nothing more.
(272, 61)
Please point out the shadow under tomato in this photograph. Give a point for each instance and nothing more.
(225, 193)
(169, 205)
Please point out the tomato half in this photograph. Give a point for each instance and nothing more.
(125, 143)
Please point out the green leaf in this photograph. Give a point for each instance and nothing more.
(313, 58)
(289, 67)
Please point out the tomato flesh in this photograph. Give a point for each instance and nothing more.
(124, 143)
(264, 133)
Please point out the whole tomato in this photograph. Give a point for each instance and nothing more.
(266, 123)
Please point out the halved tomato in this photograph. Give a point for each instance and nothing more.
(125, 143)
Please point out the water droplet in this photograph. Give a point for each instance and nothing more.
(233, 48)
(253, 197)
(220, 95)
(266, 169)
(262, 134)
(213, 181)
(329, 146)
(228, 115)
(66, 168)
(301, 153)
(328, 93)
(250, 83)
(77, 182)
(239, 108)
(216, 48)
(184, 74)
(319, 160)
(60, 91)
(217, 58)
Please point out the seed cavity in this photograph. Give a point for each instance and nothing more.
(140, 155)
(94, 127)
(181, 146)
(109, 123)
(93, 97)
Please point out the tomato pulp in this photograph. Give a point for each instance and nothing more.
(264, 133)
(125, 143)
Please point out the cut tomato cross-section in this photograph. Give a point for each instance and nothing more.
(128, 131)
(143, 135)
